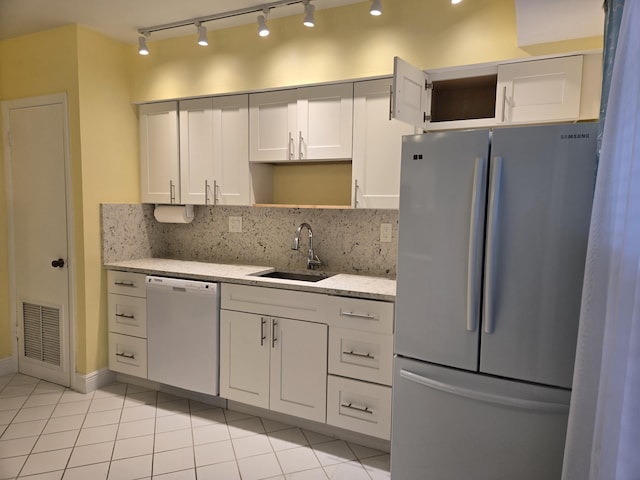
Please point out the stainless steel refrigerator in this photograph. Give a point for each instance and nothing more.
(491, 251)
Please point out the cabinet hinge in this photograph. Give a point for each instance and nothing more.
(428, 85)
(426, 118)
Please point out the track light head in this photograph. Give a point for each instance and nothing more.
(376, 8)
(263, 30)
(202, 35)
(309, 14)
(142, 44)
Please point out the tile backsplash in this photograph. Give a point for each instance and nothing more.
(346, 240)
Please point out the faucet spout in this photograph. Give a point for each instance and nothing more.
(312, 259)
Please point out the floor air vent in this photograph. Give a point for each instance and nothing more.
(41, 333)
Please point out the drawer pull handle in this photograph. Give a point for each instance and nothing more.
(359, 409)
(362, 355)
(262, 335)
(125, 315)
(124, 284)
(126, 355)
(358, 315)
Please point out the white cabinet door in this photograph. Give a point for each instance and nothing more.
(232, 179)
(299, 368)
(377, 146)
(411, 99)
(539, 91)
(159, 154)
(244, 358)
(272, 123)
(196, 151)
(325, 117)
(309, 123)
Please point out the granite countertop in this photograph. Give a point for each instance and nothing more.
(376, 288)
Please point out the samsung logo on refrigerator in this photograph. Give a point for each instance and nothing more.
(577, 136)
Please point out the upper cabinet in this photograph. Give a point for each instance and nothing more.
(309, 123)
(536, 91)
(198, 156)
(377, 145)
(159, 153)
(539, 90)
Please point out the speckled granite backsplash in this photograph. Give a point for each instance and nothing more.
(347, 241)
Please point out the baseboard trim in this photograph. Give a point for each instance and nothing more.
(85, 383)
(8, 366)
(212, 400)
(322, 428)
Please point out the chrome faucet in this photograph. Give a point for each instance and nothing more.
(312, 259)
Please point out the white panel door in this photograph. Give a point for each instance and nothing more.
(231, 150)
(299, 368)
(36, 157)
(159, 153)
(539, 91)
(325, 122)
(272, 124)
(377, 147)
(196, 151)
(244, 358)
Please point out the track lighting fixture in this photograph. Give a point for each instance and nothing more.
(309, 11)
(376, 8)
(262, 9)
(263, 30)
(202, 35)
(142, 44)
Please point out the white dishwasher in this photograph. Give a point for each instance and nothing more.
(183, 325)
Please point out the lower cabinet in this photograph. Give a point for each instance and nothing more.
(324, 358)
(273, 362)
(359, 406)
(127, 323)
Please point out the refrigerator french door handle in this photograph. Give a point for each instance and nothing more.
(492, 225)
(474, 236)
(536, 405)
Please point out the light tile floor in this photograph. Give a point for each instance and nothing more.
(125, 432)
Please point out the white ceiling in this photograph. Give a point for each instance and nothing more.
(121, 19)
(542, 21)
(539, 21)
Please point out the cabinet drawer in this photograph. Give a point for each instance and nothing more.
(362, 355)
(273, 301)
(360, 314)
(127, 283)
(128, 315)
(128, 355)
(359, 406)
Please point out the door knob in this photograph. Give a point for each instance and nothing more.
(59, 263)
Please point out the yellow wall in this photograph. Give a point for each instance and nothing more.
(110, 173)
(34, 65)
(93, 72)
(347, 43)
(5, 327)
(312, 184)
(102, 77)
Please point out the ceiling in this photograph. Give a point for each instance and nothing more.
(539, 21)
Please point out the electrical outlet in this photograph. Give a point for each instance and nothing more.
(385, 232)
(235, 224)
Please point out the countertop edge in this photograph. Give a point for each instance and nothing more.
(357, 286)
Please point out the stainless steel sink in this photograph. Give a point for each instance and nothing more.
(300, 276)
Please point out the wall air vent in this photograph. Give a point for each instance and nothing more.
(41, 333)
